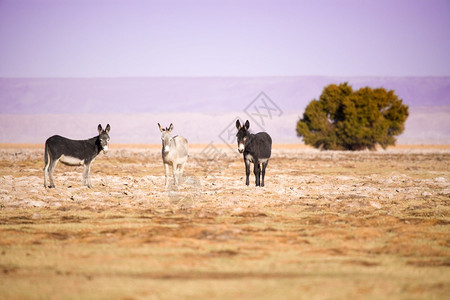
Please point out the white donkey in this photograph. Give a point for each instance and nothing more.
(174, 153)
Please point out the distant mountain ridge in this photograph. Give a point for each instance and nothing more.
(202, 109)
(213, 95)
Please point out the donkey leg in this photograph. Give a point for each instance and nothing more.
(257, 171)
(86, 177)
(51, 168)
(166, 173)
(180, 172)
(264, 165)
(46, 173)
(175, 174)
(247, 171)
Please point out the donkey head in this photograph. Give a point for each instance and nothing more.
(242, 135)
(104, 137)
(166, 137)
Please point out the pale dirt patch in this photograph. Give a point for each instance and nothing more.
(326, 225)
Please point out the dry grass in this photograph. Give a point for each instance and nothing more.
(327, 225)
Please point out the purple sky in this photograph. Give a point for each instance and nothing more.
(128, 38)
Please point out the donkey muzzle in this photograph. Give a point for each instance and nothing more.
(241, 148)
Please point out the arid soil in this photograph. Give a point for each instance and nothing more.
(327, 225)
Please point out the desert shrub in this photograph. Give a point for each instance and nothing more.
(343, 119)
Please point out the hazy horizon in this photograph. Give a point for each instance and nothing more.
(31, 110)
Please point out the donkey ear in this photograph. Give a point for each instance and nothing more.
(160, 128)
(238, 125)
(108, 128)
(170, 127)
(99, 128)
(247, 124)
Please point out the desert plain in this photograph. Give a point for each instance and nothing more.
(327, 225)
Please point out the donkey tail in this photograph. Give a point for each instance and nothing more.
(46, 163)
(46, 154)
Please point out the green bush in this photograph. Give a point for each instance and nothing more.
(343, 119)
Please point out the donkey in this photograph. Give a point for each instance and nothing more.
(74, 153)
(256, 148)
(174, 153)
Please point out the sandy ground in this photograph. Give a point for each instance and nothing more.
(326, 225)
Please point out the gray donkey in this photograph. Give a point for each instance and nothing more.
(174, 153)
(74, 153)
